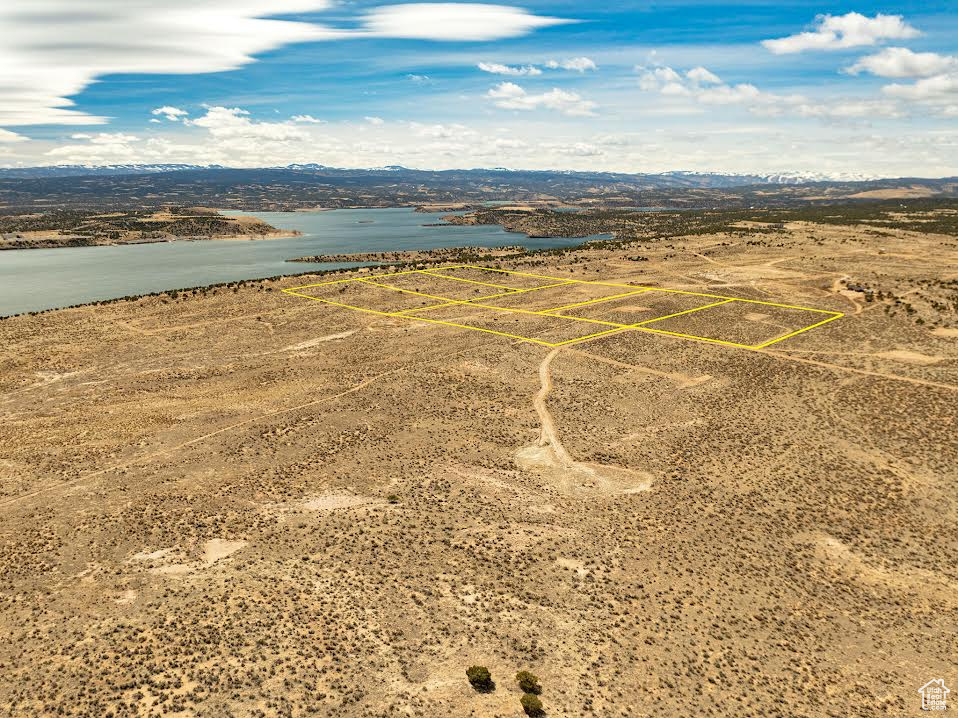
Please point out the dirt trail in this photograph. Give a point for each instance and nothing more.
(547, 435)
(846, 294)
(550, 456)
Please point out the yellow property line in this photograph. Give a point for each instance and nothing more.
(616, 327)
(545, 276)
(837, 315)
(591, 336)
(595, 301)
(435, 273)
(692, 336)
(476, 329)
(651, 289)
(339, 304)
(560, 280)
(679, 314)
(474, 303)
(418, 319)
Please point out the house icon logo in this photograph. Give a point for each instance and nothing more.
(934, 695)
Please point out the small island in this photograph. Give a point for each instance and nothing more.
(82, 228)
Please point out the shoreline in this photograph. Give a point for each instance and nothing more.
(74, 242)
(178, 290)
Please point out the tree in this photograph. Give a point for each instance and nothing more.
(532, 705)
(528, 682)
(480, 678)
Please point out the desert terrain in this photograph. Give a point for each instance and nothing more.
(241, 502)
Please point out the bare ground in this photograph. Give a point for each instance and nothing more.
(251, 504)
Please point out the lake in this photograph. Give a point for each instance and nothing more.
(35, 279)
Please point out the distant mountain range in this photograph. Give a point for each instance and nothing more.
(663, 179)
(311, 185)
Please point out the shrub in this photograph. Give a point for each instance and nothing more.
(393, 499)
(528, 682)
(480, 678)
(532, 705)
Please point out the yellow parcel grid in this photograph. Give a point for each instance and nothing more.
(591, 328)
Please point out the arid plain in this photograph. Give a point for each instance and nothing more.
(241, 502)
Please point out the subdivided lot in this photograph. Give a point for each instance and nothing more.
(637, 308)
(741, 322)
(529, 326)
(551, 311)
(353, 294)
(498, 278)
(554, 298)
(437, 286)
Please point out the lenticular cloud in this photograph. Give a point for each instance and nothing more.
(41, 71)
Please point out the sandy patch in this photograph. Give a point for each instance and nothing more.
(756, 316)
(215, 549)
(125, 598)
(945, 332)
(917, 584)
(319, 340)
(174, 561)
(909, 357)
(152, 555)
(573, 565)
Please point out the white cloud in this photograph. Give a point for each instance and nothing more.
(577, 149)
(456, 131)
(835, 32)
(704, 87)
(850, 109)
(375, 120)
(902, 62)
(498, 69)
(233, 123)
(940, 93)
(454, 21)
(173, 114)
(53, 49)
(99, 148)
(701, 76)
(511, 96)
(744, 93)
(307, 120)
(577, 64)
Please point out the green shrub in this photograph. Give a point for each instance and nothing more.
(393, 499)
(480, 678)
(532, 705)
(528, 682)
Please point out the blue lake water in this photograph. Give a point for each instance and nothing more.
(35, 279)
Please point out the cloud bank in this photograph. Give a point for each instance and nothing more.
(41, 69)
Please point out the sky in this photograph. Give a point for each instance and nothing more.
(845, 90)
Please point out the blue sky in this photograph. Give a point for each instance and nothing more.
(865, 89)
